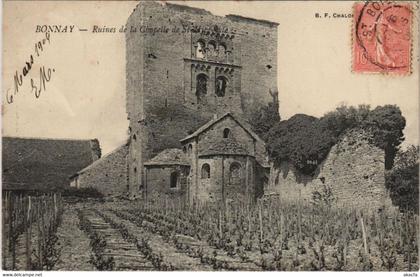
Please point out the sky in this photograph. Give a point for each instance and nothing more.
(85, 96)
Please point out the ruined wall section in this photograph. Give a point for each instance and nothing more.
(108, 175)
(354, 170)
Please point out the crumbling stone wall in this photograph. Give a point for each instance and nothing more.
(354, 171)
(160, 72)
(108, 174)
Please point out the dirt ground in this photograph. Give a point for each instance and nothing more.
(125, 244)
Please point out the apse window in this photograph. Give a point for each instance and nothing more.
(235, 170)
(205, 171)
(226, 133)
(212, 52)
(174, 180)
(201, 89)
(222, 51)
(221, 84)
(199, 53)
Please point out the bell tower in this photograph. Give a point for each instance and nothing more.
(193, 65)
(213, 82)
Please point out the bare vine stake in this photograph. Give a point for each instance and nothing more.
(39, 234)
(261, 221)
(55, 206)
(364, 236)
(408, 242)
(28, 235)
(20, 208)
(227, 216)
(11, 231)
(281, 228)
(5, 242)
(220, 223)
(300, 222)
(42, 237)
(345, 242)
(249, 221)
(166, 202)
(4, 212)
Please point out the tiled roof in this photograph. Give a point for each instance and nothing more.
(225, 147)
(122, 148)
(203, 128)
(171, 156)
(41, 163)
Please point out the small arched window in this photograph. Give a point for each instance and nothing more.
(201, 87)
(199, 51)
(173, 180)
(221, 84)
(235, 170)
(134, 137)
(212, 51)
(190, 148)
(222, 51)
(205, 171)
(226, 133)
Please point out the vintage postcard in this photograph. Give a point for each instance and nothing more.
(210, 136)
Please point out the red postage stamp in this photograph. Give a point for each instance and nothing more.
(382, 37)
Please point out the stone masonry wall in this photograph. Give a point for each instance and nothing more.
(165, 53)
(222, 182)
(215, 134)
(354, 170)
(108, 174)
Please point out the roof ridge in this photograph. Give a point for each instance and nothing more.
(49, 160)
(43, 138)
(210, 123)
(166, 157)
(204, 127)
(95, 162)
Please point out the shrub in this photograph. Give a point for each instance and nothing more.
(299, 140)
(385, 123)
(305, 141)
(264, 118)
(82, 193)
(403, 180)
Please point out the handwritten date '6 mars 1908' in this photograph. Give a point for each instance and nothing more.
(39, 83)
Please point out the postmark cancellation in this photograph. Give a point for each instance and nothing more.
(382, 39)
